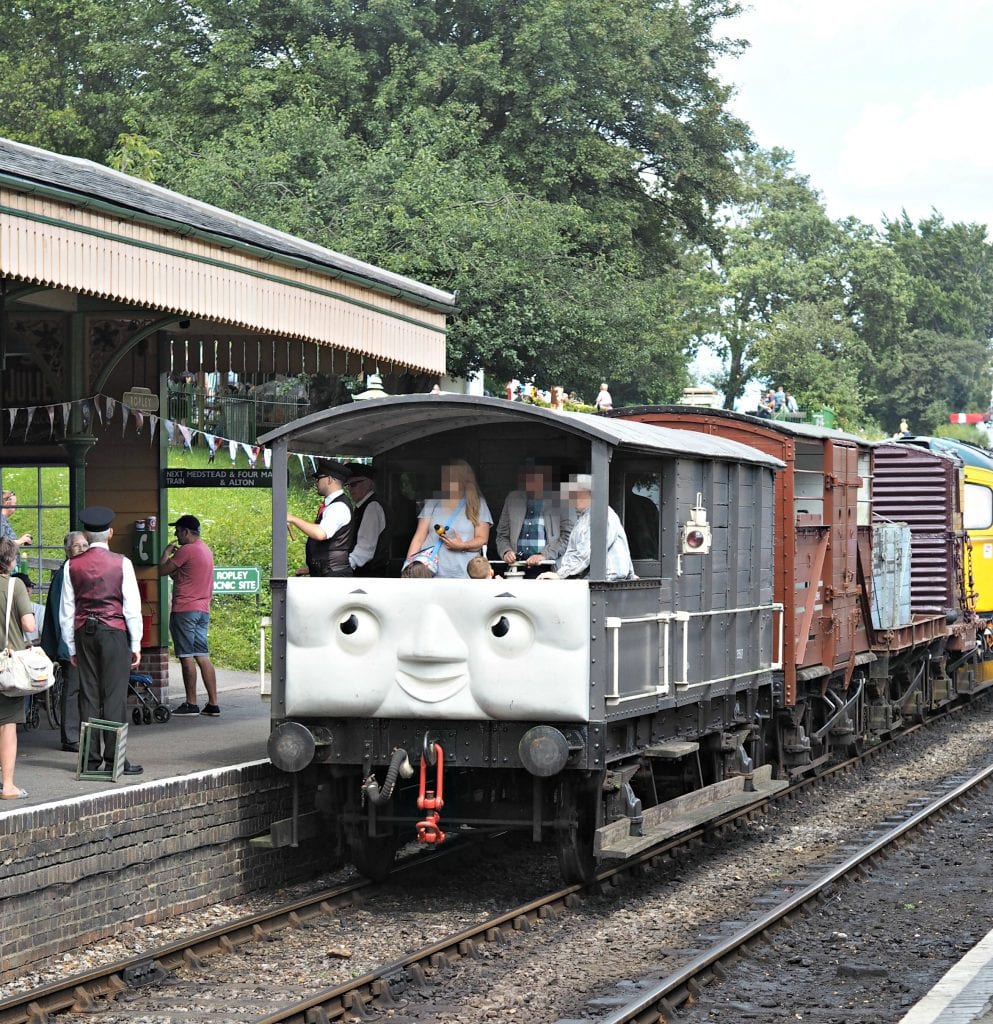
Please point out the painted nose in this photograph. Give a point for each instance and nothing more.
(433, 637)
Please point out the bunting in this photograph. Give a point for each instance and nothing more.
(104, 409)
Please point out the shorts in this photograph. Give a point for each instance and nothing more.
(189, 633)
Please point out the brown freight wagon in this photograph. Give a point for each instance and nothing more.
(823, 520)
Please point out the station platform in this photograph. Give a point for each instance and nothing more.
(964, 995)
(165, 750)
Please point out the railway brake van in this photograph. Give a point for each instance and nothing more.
(595, 716)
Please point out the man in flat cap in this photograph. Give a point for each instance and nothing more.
(371, 544)
(575, 560)
(100, 616)
(329, 536)
(190, 563)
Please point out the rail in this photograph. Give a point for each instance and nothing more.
(615, 624)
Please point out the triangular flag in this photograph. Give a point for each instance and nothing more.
(167, 426)
(153, 422)
(187, 435)
(267, 458)
(50, 409)
(13, 416)
(233, 451)
(27, 426)
(125, 411)
(139, 421)
(66, 406)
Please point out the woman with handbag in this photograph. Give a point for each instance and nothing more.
(12, 708)
(454, 526)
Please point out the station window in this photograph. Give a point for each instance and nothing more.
(42, 509)
(978, 511)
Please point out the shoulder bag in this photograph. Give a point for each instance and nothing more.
(22, 672)
(429, 554)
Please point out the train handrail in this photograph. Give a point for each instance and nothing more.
(615, 623)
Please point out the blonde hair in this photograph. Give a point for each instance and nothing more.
(478, 568)
(461, 473)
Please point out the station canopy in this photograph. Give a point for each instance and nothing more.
(228, 293)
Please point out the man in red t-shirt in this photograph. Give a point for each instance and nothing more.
(190, 563)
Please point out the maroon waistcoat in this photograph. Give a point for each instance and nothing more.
(97, 582)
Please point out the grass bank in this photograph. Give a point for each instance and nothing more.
(237, 525)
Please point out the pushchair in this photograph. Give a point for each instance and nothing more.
(148, 706)
(49, 702)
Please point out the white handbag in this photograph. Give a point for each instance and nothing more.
(23, 672)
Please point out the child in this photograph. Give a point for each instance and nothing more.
(416, 571)
(479, 569)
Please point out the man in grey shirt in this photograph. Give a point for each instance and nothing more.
(575, 559)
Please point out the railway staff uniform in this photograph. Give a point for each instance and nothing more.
(329, 536)
(100, 616)
(575, 559)
(370, 552)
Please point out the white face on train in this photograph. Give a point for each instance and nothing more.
(439, 649)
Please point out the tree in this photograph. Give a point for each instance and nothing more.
(553, 160)
(813, 350)
(940, 362)
(781, 249)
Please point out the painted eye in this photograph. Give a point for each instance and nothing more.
(512, 632)
(357, 629)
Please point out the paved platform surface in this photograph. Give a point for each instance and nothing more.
(177, 747)
(964, 995)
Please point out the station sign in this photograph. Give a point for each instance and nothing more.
(180, 477)
(237, 579)
(141, 400)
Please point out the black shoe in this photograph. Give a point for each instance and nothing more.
(71, 748)
(129, 768)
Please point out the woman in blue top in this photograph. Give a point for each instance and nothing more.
(463, 511)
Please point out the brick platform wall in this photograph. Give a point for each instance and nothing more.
(80, 871)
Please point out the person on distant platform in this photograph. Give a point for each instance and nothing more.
(603, 402)
(6, 530)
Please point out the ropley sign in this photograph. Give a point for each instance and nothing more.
(237, 579)
(141, 400)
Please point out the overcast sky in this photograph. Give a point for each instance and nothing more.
(886, 104)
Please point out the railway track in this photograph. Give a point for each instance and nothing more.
(381, 988)
(660, 1002)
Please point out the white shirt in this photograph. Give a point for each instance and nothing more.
(576, 557)
(132, 606)
(336, 514)
(373, 524)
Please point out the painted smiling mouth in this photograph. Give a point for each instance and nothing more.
(431, 681)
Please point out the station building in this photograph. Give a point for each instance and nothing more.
(110, 286)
